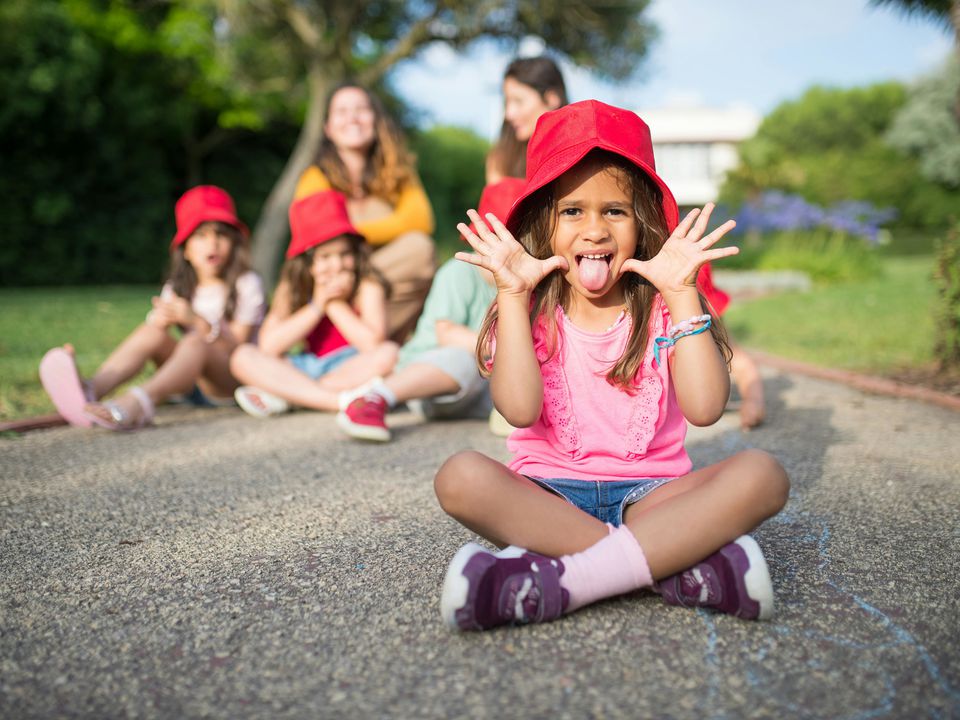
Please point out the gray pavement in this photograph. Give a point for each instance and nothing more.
(224, 567)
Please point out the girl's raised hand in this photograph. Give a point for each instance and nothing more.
(515, 271)
(675, 267)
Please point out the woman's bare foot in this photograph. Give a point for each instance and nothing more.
(752, 412)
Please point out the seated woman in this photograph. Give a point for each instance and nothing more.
(363, 156)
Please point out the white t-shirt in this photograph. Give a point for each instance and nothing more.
(209, 301)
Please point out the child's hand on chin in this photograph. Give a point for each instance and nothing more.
(515, 271)
(674, 268)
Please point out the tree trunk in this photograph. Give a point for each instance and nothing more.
(270, 232)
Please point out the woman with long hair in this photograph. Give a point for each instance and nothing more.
(363, 155)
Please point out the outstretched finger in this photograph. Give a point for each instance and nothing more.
(473, 240)
(499, 228)
(478, 260)
(555, 262)
(703, 219)
(481, 228)
(713, 237)
(684, 227)
(718, 253)
(632, 265)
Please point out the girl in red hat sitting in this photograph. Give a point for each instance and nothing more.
(329, 299)
(211, 302)
(600, 350)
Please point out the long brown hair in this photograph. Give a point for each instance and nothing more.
(509, 155)
(536, 227)
(296, 272)
(183, 278)
(390, 165)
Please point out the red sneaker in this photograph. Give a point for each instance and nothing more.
(365, 418)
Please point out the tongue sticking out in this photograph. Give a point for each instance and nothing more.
(593, 273)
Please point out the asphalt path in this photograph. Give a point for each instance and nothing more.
(219, 566)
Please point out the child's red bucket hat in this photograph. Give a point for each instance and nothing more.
(497, 198)
(316, 219)
(564, 136)
(204, 203)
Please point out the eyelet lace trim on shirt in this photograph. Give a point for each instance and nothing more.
(642, 426)
(556, 406)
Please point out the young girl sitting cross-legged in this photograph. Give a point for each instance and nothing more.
(600, 351)
(329, 299)
(211, 302)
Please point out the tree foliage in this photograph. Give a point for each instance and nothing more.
(103, 125)
(451, 164)
(829, 146)
(925, 127)
(331, 40)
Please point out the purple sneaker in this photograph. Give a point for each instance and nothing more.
(482, 590)
(733, 580)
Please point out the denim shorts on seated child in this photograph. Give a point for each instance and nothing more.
(317, 367)
(606, 500)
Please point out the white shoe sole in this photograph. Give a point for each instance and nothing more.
(453, 596)
(362, 432)
(757, 578)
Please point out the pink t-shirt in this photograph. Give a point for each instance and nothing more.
(592, 430)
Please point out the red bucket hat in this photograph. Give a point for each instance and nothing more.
(204, 203)
(564, 136)
(316, 219)
(497, 198)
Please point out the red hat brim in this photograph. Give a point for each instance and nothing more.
(211, 215)
(565, 158)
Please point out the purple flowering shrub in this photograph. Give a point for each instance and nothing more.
(785, 232)
(776, 211)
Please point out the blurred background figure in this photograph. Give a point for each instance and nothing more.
(364, 156)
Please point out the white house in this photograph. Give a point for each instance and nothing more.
(695, 146)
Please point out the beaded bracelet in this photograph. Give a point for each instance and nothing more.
(678, 331)
(687, 324)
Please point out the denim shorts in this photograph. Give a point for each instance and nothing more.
(606, 500)
(317, 367)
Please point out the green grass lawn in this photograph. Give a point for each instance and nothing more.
(880, 325)
(34, 320)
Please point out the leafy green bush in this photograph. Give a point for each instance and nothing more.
(947, 280)
(831, 145)
(826, 257)
(100, 132)
(451, 165)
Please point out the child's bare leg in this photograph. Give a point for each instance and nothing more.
(681, 523)
(421, 380)
(216, 380)
(147, 342)
(508, 509)
(275, 375)
(361, 367)
(177, 374)
(747, 377)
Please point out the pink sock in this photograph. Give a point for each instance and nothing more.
(613, 566)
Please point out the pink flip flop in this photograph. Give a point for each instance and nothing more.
(61, 380)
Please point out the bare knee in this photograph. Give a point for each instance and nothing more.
(459, 480)
(241, 358)
(766, 481)
(386, 356)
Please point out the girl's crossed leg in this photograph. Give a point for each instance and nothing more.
(677, 527)
(181, 364)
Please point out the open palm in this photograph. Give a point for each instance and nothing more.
(675, 266)
(514, 269)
